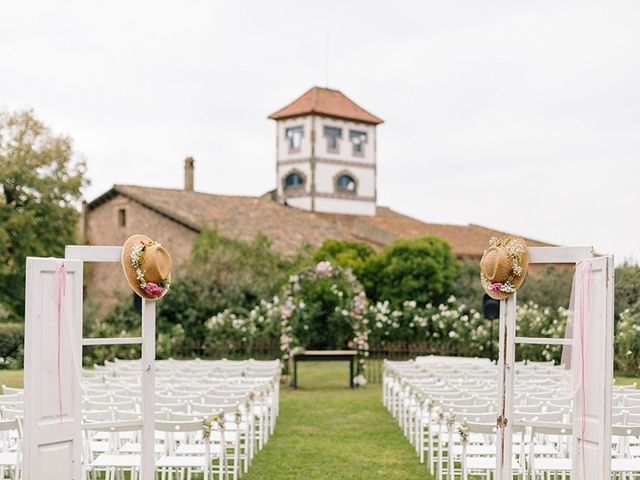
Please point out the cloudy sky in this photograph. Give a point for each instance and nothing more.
(519, 115)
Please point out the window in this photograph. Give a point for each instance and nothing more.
(358, 139)
(333, 135)
(293, 180)
(346, 183)
(122, 217)
(294, 138)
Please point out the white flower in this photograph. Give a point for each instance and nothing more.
(360, 380)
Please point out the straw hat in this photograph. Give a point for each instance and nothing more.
(503, 266)
(147, 266)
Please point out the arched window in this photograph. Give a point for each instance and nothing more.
(294, 180)
(346, 184)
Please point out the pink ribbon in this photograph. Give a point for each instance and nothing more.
(60, 295)
(585, 295)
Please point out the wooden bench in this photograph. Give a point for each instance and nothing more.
(325, 356)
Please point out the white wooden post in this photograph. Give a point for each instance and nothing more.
(52, 366)
(506, 373)
(147, 468)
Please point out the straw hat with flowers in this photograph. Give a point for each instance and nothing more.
(147, 266)
(503, 266)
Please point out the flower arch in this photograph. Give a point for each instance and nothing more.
(350, 305)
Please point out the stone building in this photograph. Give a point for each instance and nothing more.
(326, 188)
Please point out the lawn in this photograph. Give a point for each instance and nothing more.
(11, 378)
(325, 430)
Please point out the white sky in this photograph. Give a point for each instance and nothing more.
(519, 115)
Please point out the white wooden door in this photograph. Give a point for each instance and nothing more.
(592, 356)
(52, 438)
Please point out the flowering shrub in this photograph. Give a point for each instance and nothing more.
(627, 344)
(323, 298)
(262, 323)
(535, 321)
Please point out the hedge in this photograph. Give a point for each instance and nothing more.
(11, 345)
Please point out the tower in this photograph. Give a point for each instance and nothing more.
(326, 154)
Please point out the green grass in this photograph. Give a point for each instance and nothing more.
(327, 431)
(627, 381)
(11, 378)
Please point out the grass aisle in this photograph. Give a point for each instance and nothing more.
(325, 430)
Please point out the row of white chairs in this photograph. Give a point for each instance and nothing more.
(447, 408)
(211, 418)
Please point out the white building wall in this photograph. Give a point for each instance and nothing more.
(345, 145)
(325, 178)
(304, 203)
(349, 207)
(282, 142)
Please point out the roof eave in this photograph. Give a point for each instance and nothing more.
(116, 190)
(277, 117)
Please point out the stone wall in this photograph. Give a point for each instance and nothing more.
(103, 227)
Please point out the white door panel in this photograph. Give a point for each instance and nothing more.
(593, 302)
(52, 441)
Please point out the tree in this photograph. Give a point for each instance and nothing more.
(40, 187)
(221, 274)
(468, 289)
(422, 269)
(345, 253)
(627, 288)
(550, 287)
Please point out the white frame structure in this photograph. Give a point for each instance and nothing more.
(148, 355)
(506, 359)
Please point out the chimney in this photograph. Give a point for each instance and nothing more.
(188, 174)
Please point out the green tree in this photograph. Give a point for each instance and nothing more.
(422, 269)
(550, 287)
(627, 288)
(40, 186)
(468, 289)
(345, 253)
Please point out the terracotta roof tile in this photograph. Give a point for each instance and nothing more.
(325, 101)
(290, 228)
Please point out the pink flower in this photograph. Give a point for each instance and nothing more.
(153, 290)
(494, 287)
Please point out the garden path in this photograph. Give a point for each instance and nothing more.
(325, 430)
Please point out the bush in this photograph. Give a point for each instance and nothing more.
(11, 345)
(346, 254)
(627, 288)
(627, 342)
(467, 287)
(550, 287)
(421, 269)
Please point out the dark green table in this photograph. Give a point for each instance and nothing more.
(325, 356)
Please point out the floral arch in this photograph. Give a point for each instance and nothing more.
(348, 315)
